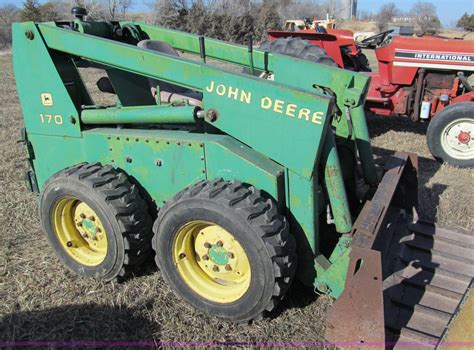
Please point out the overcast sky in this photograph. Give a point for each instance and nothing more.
(449, 11)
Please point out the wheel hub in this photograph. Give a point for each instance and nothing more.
(218, 255)
(89, 226)
(80, 231)
(456, 139)
(212, 262)
(464, 137)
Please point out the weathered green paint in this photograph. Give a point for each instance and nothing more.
(231, 160)
(245, 108)
(286, 69)
(163, 162)
(331, 279)
(335, 186)
(361, 132)
(142, 115)
(304, 209)
(254, 130)
(30, 91)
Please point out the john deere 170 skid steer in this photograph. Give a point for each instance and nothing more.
(249, 181)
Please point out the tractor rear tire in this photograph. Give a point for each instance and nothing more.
(450, 135)
(299, 48)
(364, 64)
(225, 250)
(96, 221)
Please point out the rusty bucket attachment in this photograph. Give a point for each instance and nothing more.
(406, 278)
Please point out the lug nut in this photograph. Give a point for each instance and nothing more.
(220, 244)
(205, 257)
(98, 230)
(91, 218)
(79, 224)
(215, 268)
(228, 267)
(207, 245)
(230, 255)
(83, 216)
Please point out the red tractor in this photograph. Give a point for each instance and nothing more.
(423, 78)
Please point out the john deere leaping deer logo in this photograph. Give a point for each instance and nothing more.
(47, 99)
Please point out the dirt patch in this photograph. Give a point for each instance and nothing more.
(42, 301)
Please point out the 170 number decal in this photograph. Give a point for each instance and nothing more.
(51, 119)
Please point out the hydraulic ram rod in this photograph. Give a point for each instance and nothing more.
(140, 115)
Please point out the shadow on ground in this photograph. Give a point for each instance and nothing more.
(380, 125)
(429, 193)
(79, 323)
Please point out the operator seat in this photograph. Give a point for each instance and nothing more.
(169, 92)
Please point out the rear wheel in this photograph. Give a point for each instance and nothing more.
(297, 47)
(225, 249)
(450, 135)
(364, 64)
(96, 221)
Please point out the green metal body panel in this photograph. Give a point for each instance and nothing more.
(332, 274)
(335, 186)
(162, 161)
(278, 136)
(40, 103)
(251, 112)
(229, 159)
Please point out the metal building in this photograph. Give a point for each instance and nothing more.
(348, 9)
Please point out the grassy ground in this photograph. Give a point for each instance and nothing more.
(42, 301)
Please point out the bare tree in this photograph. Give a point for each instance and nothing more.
(96, 9)
(124, 7)
(385, 15)
(9, 13)
(425, 14)
(112, 6)
(365, 16)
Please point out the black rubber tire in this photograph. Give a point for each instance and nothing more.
(254, 221)
(299, 48)
(437, 125)
(363, 61)
(120, 207)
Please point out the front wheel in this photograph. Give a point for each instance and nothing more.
(450, 135)
(96, 221)
(225, 249)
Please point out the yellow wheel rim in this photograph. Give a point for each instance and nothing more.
(211, 262)
(80, 231)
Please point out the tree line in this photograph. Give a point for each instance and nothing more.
(229, 20)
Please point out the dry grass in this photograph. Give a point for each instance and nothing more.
(42, 301)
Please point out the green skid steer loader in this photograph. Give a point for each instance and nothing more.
(236, 183)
